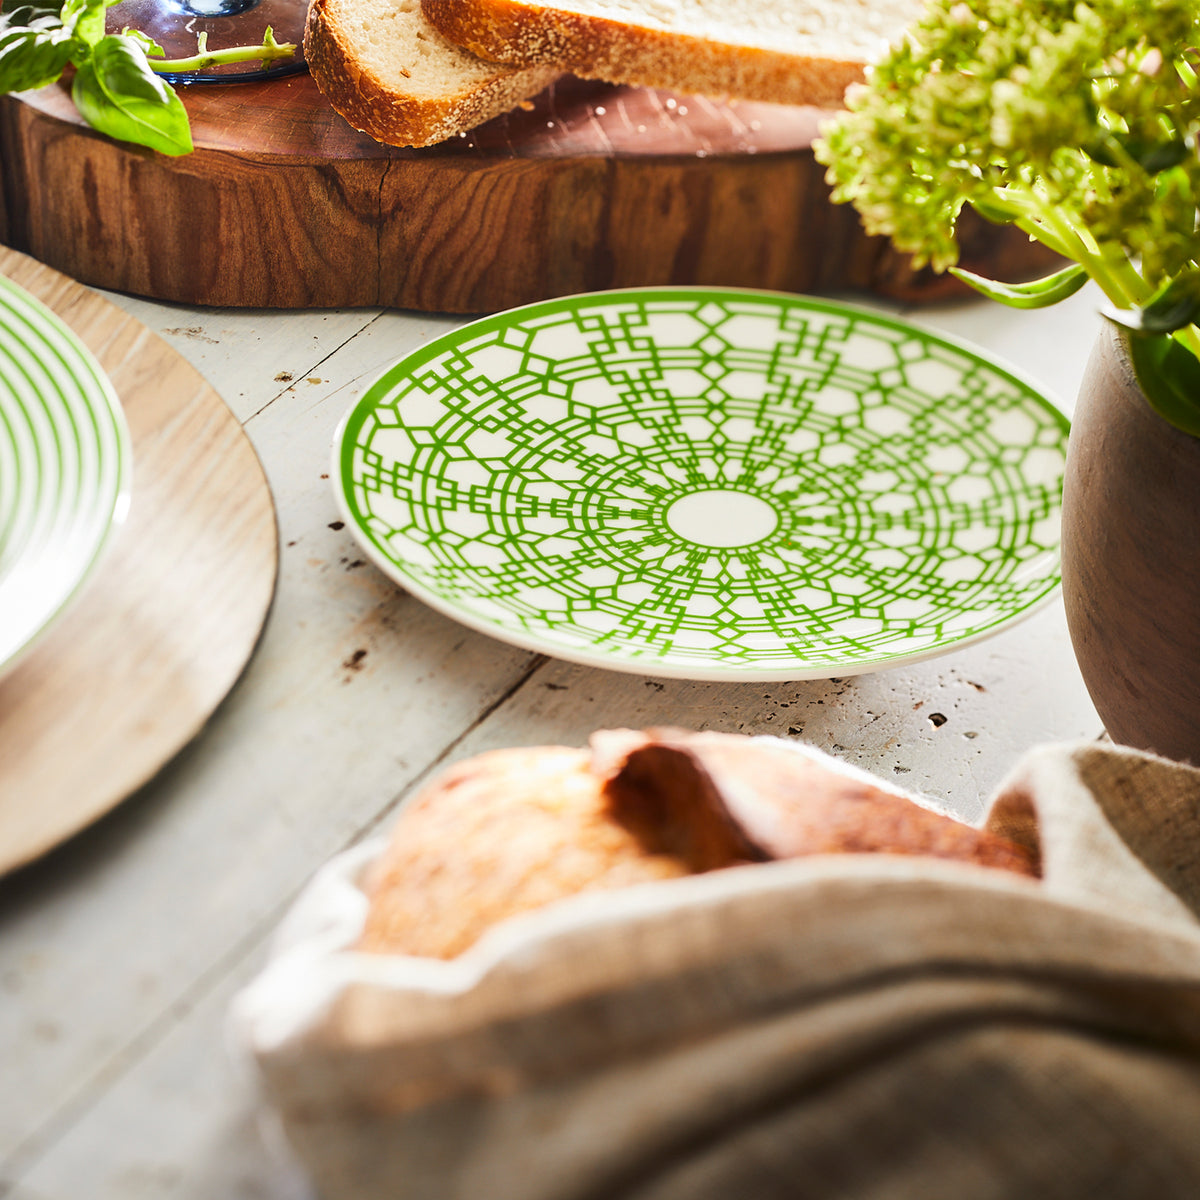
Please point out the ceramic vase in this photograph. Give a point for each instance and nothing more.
(1131, 559)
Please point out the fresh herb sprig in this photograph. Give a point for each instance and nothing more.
(116, 85)
(1075, 121)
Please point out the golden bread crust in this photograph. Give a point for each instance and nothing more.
(499, 834)
(512, 830)
(788, 805)
(597, 47)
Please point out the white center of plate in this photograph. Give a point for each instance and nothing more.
(722, 517)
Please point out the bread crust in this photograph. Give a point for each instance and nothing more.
(788, 806)
(512, 830)
(500, 834)
(597, 47)
(383, 109)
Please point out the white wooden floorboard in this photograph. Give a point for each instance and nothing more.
(185, 1124)
(249, 355)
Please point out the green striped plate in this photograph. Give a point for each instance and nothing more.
(65, 467)
(709, 483)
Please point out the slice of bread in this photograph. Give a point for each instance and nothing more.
(802, 52)
(391, 75)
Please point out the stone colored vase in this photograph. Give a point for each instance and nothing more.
(1131, 559)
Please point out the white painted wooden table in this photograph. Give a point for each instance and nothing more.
(120, 951)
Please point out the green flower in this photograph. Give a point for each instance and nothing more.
(1076, 122)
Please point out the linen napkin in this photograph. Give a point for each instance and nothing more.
(837, 1026)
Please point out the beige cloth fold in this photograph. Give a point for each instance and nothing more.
(1114, 826)
(855, 1026)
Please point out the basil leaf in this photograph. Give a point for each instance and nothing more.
(33, 55)
(85, 19)
(150, 48)
(1040, 293)
(1169, 376)
(118, 94)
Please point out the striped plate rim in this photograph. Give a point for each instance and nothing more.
(65, 468)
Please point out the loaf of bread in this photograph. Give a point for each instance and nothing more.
(780, 51)
(512, 830)
(390, 74)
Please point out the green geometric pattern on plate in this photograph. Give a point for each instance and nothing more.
(709, 483)
(64, 467)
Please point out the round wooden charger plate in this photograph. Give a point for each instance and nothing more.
(137, 664)
(588, 187)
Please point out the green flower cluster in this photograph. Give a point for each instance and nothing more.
(1075, 121)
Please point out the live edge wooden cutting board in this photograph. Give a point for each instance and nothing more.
(284, 205)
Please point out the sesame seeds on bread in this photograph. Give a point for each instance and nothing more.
(801, 52)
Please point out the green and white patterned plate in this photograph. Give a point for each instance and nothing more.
(709, 484)
(64, 467)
